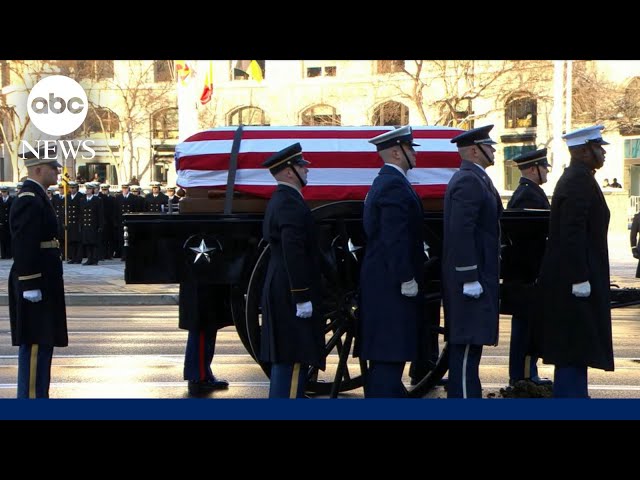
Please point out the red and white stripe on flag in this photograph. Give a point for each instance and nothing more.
(343, 162)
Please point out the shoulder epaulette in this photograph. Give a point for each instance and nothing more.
(28, 194)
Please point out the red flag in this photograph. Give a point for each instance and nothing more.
(207, 89)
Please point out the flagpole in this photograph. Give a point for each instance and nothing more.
(187, 116)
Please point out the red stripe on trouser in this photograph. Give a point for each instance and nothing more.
(201, 357)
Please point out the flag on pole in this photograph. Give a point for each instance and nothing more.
(207, 87)
(183, 71)
(252, 68)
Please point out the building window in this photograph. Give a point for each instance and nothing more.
(322, 69)
(511, 170)
(92, 69)
(100, 122)
(632, 148)
(461, 117)
(391, 113)
(248, 116)
(320, 115)
(164, 124)
(162, 71)
(520, 112)
(389, 66)
(5, 73)
(248, 70)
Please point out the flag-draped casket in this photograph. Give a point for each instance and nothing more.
(343, 162)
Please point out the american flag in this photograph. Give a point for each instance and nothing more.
(343, 162)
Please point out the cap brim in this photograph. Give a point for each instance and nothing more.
(415, 144)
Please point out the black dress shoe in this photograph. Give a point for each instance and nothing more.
(541, 380)
(206, 386)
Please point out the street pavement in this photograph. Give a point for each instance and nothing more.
(104, 285)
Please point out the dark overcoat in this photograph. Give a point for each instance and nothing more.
(523, 251)
(33, 221)
(293, 276)
(471, 252)
(154, 203)
(92, 220)
(576, 331)
(393, 224)
(73, 217)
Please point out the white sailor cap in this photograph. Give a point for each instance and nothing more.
(585, 135)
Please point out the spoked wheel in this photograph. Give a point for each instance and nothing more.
(340, 237)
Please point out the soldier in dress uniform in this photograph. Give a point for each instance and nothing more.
(36, 287)
(156, 201)
(57, 201)
(6, 201)
(74, 239)
(136, 191)
(171, 196)
(292, 327)
(391, 306)
(471, 262)
(126, 202)
(523, 267)
(574, 331)
(109, 206)
(18, 187)
(92, 223)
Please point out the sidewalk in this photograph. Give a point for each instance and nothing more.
(101, 285)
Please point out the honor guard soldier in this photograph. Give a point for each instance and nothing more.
(136, 190)
(156, 201)
(92, 223)
(471, 262)
(18, 188)
(171, 195)
(522, 267)
(74, 239)
(172, 200)
(36, 288)
(391, 306)
(126, 202)
(6, 201)
(292, 326)
(57, 200)
(575, 327)
(109, 206)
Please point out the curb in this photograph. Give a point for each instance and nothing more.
(111, 299)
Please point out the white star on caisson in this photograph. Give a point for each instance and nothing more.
(201, 250)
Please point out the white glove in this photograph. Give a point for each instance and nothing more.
(32, 295)
(472, 289)
(304, 310)
(581, 289)
(410, 288)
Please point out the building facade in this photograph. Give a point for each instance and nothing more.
(134, 115)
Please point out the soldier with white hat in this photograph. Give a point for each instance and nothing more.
(575, 330)
(107, 247)
(74, 238)
(156, 201)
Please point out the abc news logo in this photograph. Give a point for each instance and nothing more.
(55, 104)
(58, 105)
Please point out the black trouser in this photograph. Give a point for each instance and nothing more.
(5, 243)
(92, 253)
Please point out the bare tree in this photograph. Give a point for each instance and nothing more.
(445, 90)
(596, 99)
(13, 127)
(137, 96)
